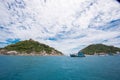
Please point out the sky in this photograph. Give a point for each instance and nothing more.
(66, 25)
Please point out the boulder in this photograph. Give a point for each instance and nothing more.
(12, 52)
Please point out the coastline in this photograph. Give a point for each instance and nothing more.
(103, 54)
(28, 55)
(42, 53)
(15, 53)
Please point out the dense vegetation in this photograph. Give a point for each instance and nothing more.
(100, 48)
(29, 46)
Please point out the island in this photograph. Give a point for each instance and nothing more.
(100, 49)
(29, 47)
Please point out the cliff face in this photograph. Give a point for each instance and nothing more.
(100, 49)
(29, 47)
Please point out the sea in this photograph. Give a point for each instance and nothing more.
(59, 68)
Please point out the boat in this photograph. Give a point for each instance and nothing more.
(79, 54)
(73, 55)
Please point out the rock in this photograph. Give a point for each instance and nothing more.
(12, 53)
(3, 51)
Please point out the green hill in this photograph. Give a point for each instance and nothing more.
(100, 49)
(31, 46)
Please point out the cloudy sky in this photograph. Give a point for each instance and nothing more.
(67, 25)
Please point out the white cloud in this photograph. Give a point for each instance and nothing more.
(72, 24)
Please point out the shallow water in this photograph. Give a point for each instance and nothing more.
(59, 68)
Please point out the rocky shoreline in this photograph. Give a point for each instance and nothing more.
(43, 53)
(103, 54)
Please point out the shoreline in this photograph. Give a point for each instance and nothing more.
(102, 55)
(28, 55)
(15, 53)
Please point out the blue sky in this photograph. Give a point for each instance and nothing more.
(67, 25)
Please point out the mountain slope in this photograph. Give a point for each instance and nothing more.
(31, 46)
(100, 48)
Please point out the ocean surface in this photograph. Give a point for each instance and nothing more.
(59, 68)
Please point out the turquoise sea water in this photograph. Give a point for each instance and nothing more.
(59, 68)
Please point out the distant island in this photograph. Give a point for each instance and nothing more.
(100, 49)
(29, 47)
